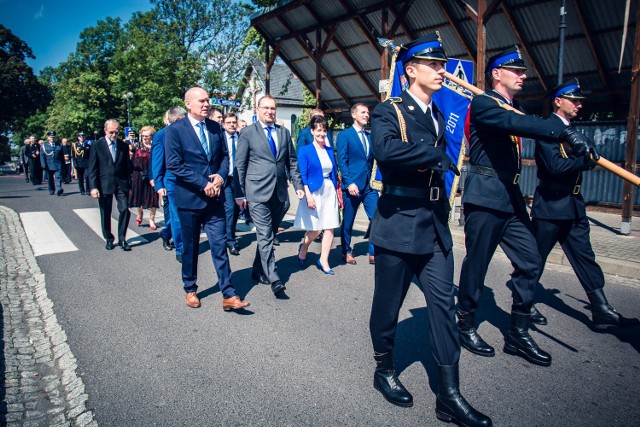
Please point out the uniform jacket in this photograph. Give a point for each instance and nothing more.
(81, 152)
(259, 173)
(162, 178)
(51, 156)
(355, 165)
(565, 169)
(187, 160)
(104, 173)
(493, 145)
(311, 169)
(408, 224)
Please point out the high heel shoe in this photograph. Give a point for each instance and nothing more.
(152, 225)
(301, 261)
(329, 271)
(139, 221)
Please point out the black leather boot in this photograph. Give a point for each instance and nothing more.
(537, 317)
(451, 406)
(386, 381)
(469, 337)
(604, 316)
(520, 343)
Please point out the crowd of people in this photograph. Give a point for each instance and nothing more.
(206, 168)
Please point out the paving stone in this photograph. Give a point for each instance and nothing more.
(84, 419)
(15, 407)
(77, 411)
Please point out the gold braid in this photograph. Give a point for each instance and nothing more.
(79, 153)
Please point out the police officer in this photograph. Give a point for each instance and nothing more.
(409, 147)
(559, 214)
(494, 206)
(80, 153)
(51, 160)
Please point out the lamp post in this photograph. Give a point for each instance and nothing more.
(127, 96)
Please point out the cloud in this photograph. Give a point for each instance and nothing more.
(40, 13)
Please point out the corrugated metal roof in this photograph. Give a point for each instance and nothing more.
(535, 21)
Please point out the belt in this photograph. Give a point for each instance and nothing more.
(563, 188)
(430, 193)
(507, 176)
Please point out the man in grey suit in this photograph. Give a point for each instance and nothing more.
(264, 154)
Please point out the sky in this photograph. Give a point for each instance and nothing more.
(52, 28)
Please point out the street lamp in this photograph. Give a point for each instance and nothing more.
(127, 96)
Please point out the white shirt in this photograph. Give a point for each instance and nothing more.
(273, 133)
(196, 128)
(423, 107)
(230, 149)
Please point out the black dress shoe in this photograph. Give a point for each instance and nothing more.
(259, 277)
(166, 244)
(537, 317)
(179, 258)
(60, 191)
(606, 317)
(109, 245)
(277, 287)
(233, 250)
(82, 193)
(276, 242)
(451, 405)
(386, 381)
(469, 337)
(124, 245)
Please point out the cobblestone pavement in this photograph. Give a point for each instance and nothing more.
(40, 385)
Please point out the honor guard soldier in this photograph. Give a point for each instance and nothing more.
(494, 207)
(51, 160)
(409, 228)
(80, 153)
(559, 214)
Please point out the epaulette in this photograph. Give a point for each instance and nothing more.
(500, 102)
(395, 100)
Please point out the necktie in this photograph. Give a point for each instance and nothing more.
(233, 149)
(203, 139)
(112, 148)
(272, 143)
(365, 145)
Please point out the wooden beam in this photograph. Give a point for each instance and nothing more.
(589, 38)
(523, 44)
(488, 12)
(318, 58)
(444, 7)
(481, 47)
(471, 12)
(400, 14)
(384, 57)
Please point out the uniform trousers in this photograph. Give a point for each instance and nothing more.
(54, 179)
(105, 202)
(369, 198)
(573, 236)
(25, 166)
(484, 230)
(266, 217)
(83, 180)
(212, 220)
(393, 274)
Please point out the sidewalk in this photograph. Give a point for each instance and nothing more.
(617, 254)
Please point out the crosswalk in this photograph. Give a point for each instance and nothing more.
(47, 237)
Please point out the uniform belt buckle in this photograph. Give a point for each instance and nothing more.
(516, 178)
(576, 189)
(434, 194)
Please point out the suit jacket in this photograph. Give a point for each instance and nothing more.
(408, 224)
(162, 178)
(558, 166)
(105, 173)
(305, 138)
(493, 145)
(259, 173)
(51, 156)
(311, 168)
(186, 159)
(355, 165)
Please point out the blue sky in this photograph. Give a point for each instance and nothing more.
(52, 27)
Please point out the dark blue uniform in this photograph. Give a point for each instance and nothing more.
(559, 213)
(51, 160)
(409, 228)
(494, 207)
(80, 152)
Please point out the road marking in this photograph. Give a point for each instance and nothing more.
(91, 217)
(44, 234)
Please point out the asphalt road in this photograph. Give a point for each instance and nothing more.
(147, 359)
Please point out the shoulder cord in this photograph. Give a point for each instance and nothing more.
(79, 153)
(45, 151)
(403, 135)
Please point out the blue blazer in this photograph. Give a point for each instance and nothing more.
(305, 138)
(311, 169)
(162, 178)
(186, 159)
(355, 165)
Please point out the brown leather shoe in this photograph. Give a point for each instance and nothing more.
(372, 259)
(349, 259)
(192, 300)
(234, 303)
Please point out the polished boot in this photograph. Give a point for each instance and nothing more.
(604, 316)
(537, 317)
(469, 337)
(520, 343)
(387, 382)
(451, 406)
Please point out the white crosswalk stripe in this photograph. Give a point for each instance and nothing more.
(91, 217)
(44, 234)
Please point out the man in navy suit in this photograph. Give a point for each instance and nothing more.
(51, 160)
(197, 155)
(355, 158)
(164, 183)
